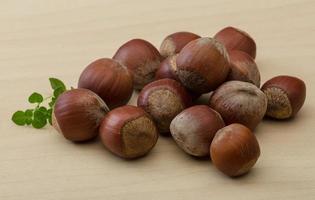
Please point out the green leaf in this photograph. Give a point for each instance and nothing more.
(35, 98)
(52, 103)
(58, 92)
(29, 113)
(43, 110)
(56, 83)
(39, 120)
(29, 116)
(28, 121)
(50, 120)
(49, 112)
(19, 118)
(39, 123)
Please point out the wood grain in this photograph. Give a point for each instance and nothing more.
(41, 39)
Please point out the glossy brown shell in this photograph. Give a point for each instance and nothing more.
(110, 80)
(78, 113)
(112, 131)
(141, 58)
(236, 39)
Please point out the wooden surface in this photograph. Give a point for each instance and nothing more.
(41, 39)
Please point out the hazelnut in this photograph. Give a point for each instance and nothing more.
(202, 65)
(173, 43)
(167, 69)
(128, 132)
(194, 128)
(78, 113)
(163, 100)
(243, 68)
(110, 80)
(234, 150)
(286, 96)
(236, 39)
(141, 58)
(239, 102)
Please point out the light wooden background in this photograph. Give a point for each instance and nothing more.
(41, 39)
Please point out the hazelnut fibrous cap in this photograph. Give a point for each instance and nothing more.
(163, 100)
(164, 105)
(286, 96)
(279, 105)
(128, 132)
(138, 136)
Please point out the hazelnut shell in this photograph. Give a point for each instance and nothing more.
(78, 113)
(236, 39)
(110, 80)
(163, 100)
(167, 69)
(286, 95)
(243, 68)
(239, 102)
(202, 65)
(194, 128)
(234, 150)
(141, 58)
(174, 43)
(128, 132)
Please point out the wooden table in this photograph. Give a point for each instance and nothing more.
(42, 39)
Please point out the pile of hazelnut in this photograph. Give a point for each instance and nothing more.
(169, 81)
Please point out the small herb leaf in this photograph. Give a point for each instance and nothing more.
(39, 116)
(58, 92)
(39, 120)
(19, 118)
(39, 123)
(56, 83)
(52, 103)
(29, 116)
(29, 113)
(28, 121)
(49, 114)
(43, 110)
(35, 98)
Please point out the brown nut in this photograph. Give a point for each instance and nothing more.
(78, 113)
(110, 80)
(243, 68)
(194, 128)
(239, 102)
(286, 96)
(128, 132)
(236, 39)
(173, 43)
(234, 150)
(163, 100)
(141, 58)
(202, 65)
(167, 69)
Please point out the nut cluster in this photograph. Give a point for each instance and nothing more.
(168, 82)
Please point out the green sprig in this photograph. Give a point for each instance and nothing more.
(39, 116)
